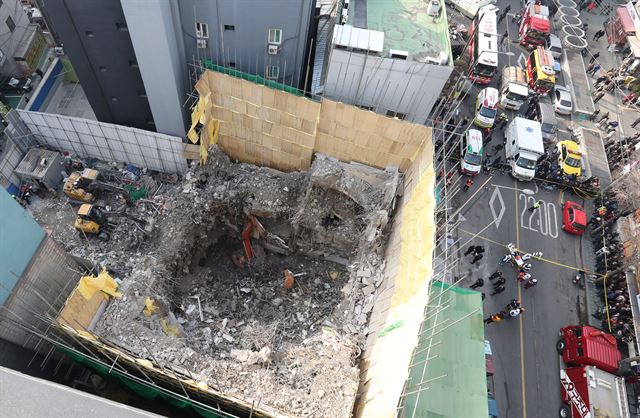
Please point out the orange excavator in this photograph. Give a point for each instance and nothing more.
(254, 229)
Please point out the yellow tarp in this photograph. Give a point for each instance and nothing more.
(390, 356)
(89, 285)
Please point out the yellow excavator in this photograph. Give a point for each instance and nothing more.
(92, 220)
(82, 186)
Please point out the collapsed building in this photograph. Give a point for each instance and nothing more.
(287, 274)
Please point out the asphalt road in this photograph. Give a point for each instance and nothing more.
(526, 364)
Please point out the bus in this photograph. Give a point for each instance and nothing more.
(535, 26)
(483, 45)
(540, 74)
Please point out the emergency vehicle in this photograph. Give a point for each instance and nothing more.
(588, 386)
(540, 74)
(486, 107)
(483, 45)
(535, 26)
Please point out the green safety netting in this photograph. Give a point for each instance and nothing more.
(251, 77)
(454, 383)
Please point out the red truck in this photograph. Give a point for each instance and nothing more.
(589, 386)
(582, 345)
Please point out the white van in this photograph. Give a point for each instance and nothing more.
(524, 147)
(486, 107)
(513, 88)
(471, 153)
(553, 45)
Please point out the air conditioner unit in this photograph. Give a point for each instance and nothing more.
(202, 43)
(273, 49)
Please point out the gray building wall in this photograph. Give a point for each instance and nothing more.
(10, 40)
(103, 57)
(159, 49)
(246, 45)
(385, 84)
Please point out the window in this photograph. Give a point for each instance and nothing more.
(229, 27)
(232, 64)
(10, 24)
(202, 30)
(133, 63)
(275, 36)
(122, 27)
(88, 33)
(401, 116)
(102, 69)
(201, 43)
(363, 107)
(273, 72)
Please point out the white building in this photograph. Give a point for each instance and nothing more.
(397, 66)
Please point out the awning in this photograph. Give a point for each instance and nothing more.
(625, 19)
(634, 43)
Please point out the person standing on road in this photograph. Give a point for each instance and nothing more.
(500, 282)
(478, 250)
(598, 96)
(505, 259)
(635, 122)
(604, 117)
(470, 250)
(535, 206)
(496, 274)
(599, 34)
(497, 317)
(594, 57)
(476, 257)
(477, 284)
(505, 35)
(530, 283)
(594, 115)
(498, 290)
(468, 184)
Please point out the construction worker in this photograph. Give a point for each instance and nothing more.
(535, 206)
(468, 184)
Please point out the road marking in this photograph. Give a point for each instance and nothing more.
(523, 387)
(522, 60)
(546, 226)
(497, 217)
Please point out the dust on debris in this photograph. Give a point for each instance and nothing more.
(228, 320)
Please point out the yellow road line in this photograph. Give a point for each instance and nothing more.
(523, 387)
(546, 260)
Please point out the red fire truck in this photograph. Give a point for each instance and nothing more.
(588, 386)
(535, 26)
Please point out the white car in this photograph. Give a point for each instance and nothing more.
(562, 100)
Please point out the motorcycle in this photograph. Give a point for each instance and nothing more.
(578, 279)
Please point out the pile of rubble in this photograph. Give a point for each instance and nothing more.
(278, 318)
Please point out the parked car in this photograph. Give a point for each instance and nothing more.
(562, 100)
(569, 158)
(574, 218)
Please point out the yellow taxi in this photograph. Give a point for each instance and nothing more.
(569, 157)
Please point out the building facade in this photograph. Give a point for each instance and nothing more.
(396, 67)
(132, 56)
(21, 42)
(96, 39)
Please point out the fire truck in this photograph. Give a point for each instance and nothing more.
(541, 76)
(535, 26)
(588, 386)
(483, 45)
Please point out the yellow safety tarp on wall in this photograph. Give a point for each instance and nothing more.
(387, 360)
(103, 282)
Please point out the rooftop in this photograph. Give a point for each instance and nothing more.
(406, 26)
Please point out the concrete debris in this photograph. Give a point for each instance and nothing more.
(247, 334)
(252, 357)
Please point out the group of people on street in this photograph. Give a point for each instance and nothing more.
(477, 251)
(512, 310)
